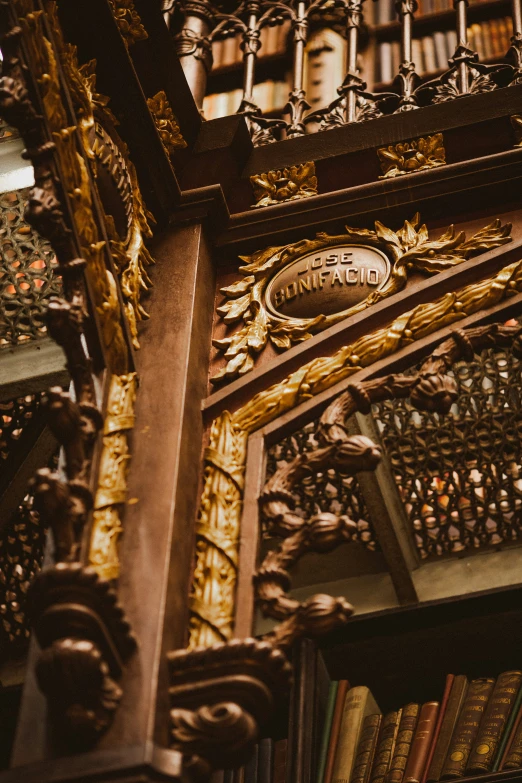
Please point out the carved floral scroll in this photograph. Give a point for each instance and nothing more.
(410, 249)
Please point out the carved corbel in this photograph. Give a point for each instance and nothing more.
(85, 639)
(222, 695)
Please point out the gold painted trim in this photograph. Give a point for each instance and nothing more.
(166, 122)
(213, 591)
(407, 157)
(75, 179)
(112, 477)
(130, 255)
(410, 249)
(280, 185)
(128, 21)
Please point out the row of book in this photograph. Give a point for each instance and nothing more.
(431, 53)
(227, 51)
(269, 96)
(267, 764)
(476, 728)
(383, 11)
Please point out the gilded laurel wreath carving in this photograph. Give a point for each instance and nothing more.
(409, 249)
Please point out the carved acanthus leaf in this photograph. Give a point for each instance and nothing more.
(409, 248)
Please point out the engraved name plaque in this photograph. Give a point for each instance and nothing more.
(327, 282)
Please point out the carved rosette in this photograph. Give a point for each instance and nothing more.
(276, 187)
(407, 157)
(222, 695)
(222, 503)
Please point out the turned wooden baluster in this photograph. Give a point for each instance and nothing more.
(407, 75)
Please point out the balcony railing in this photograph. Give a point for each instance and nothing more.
(197, 23)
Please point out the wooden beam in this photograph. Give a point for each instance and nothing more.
(30, 368)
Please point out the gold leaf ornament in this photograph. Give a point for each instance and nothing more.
(275, 187)
(407, 157)
(409, 248)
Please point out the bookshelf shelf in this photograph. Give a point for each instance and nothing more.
(441, 20)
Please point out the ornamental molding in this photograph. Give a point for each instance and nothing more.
(129, 21)
(166, 122)
(217, 548)
(410, 249)
(281, 185)
(407, 157)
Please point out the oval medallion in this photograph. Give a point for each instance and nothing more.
(327, 282)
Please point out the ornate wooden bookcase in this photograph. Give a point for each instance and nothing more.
(279, 441)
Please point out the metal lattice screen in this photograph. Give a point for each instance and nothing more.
(27, 278)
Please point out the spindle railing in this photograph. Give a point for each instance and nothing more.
(202, 22)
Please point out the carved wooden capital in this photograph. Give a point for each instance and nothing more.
(222, 695)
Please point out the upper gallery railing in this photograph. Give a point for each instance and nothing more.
(200, 22)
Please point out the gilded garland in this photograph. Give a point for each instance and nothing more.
(214, 583)
(408, 249)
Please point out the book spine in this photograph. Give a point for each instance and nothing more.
(405, 735)
(265, 764)
(330, 707)
(467, 727)
(421, 742)
(443, 707)
(342, 690)
(385, 746)
(355, 709)
(513, 758)
(510, 740)
(452, 712)
(280, 754)
(509, 733)
(366, 749)
(494, 722)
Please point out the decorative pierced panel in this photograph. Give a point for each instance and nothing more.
(16, 415)
(330, 491)
(27, 279)
(460, 475)
(21, 554)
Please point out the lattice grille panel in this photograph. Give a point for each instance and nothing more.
(330, 491)
(460, 475)
(15, 415)
(21, 553)
(27, 280)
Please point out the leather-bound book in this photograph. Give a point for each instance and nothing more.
(366, 748)
(421, 743)
(457, 695)
(494, 722)
(358, 704)
(407, 726)
(443, 706)
(467, 728)
(513, 758)
(509, 733)
(385, 746)
(342, 690)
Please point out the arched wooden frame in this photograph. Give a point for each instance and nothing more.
(261, 440)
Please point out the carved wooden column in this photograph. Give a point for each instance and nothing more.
(162, 498)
